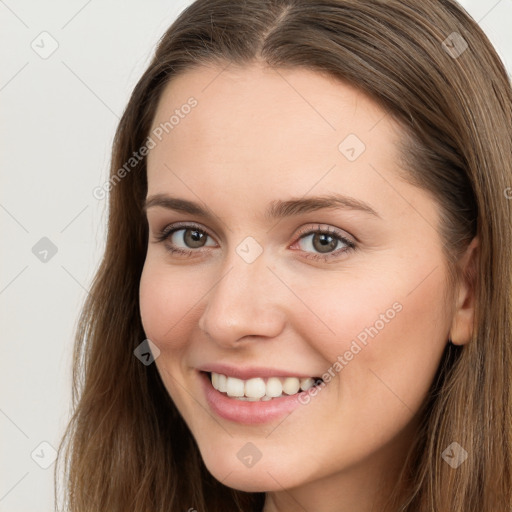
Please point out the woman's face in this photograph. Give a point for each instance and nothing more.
(301, 254)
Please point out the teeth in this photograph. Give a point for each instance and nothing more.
(222, 383)
(274, 387)
(291, 385)
(234, 387)
(256, 389)
(307, 383)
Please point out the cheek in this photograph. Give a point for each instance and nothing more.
(389, 341)
(388, 329)
(167, 314)
(166, 305)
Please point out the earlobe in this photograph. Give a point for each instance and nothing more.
(461, 330)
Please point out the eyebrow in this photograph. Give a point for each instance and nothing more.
(276, 209)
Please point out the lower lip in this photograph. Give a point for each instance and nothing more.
(245, 412)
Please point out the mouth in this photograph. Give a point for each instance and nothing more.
(252, 402)
(261, 389)
(257, 395)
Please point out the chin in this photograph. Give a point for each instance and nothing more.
(250, 480)
(263, 476)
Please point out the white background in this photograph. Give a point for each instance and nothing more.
(58, 117)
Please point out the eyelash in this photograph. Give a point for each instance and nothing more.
(164, 235)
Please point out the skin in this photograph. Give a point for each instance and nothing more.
(256, 135)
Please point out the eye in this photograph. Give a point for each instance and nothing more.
(318, 244)
(327, 243)
(184, 239)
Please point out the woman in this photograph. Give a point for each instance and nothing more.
(304, 302)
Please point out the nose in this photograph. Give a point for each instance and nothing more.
(248, 301)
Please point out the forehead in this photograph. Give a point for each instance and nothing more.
(268, 131)
(256, 103)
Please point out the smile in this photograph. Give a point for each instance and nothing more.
(260, 389)
(255, 400)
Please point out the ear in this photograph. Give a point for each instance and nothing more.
(461, 329)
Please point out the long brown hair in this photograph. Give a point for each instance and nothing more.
(427, 64)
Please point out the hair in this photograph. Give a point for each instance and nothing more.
(126, 447)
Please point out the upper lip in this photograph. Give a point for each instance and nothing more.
(249, 372)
